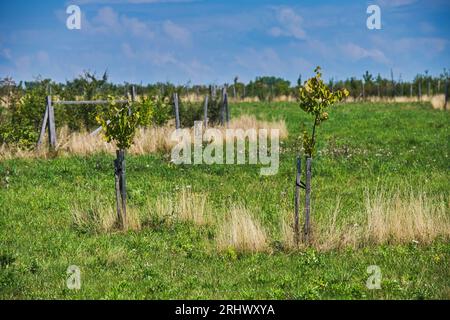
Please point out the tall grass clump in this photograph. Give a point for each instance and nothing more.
(185, 206)
(386, 218)
(241, 232)
(101, 218)
(403, 218)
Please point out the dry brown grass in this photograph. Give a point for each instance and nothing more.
(96, 217)
(438, 102)
(400, 219)
(100, 218)
(393, 218)
(187, 206)
(147, 140)
(241, 232)
(250, 122)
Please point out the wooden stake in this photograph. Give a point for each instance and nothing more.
(307, 229)
(446, 95)
(297, 200)
(420, 90)
(222, 109)
(43, 127)
(205, 112)
(177, 114)
(120, 186)
(51, 123)
(117, 188)
(133, 94)
(227, 108)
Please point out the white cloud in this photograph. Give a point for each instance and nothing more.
(290, 24)
(413, 46)
(137, 27)
(356, 52)
(108, 21)
(6, 53)
(176, 32)
(42, 57)
(395, 3)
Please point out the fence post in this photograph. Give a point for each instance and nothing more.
(297, 199)
(226, 107)
(307, 229)
(51, 123)
(222, 108)
(177, 114)
(43, 127)
(446, 94)
(420, 90)
(133, 94)
(205, 112)
(363, 91)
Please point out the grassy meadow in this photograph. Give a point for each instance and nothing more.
(380, 197)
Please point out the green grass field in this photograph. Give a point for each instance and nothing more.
(361, 148)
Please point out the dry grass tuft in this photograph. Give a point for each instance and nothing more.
(191, 207)
(438, 102)
(99, 218)
(400, 219)
(393, 218)
(187, 206)
(241, 232)
(96, 218)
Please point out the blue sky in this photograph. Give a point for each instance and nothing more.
(212, 41)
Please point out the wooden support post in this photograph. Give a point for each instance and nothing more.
(51, 123)
(205, 112)
(43, 127)
(118, 196)
(121, 189)
(297, 200)
(363, 91)
(428, 88)
(222, 108)
(307, 229)
(227, 108)
(177, 114)
(420, 90)
(410, 90)
(446, 95)
(133, 94)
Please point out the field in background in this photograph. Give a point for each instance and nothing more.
(380, 197)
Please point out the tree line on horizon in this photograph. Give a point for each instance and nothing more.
(22, 104)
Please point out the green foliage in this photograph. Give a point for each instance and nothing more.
(21, 121)
(315, 98)
(161, 112)
(119, 124)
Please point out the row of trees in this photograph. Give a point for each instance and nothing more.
(23, 104)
